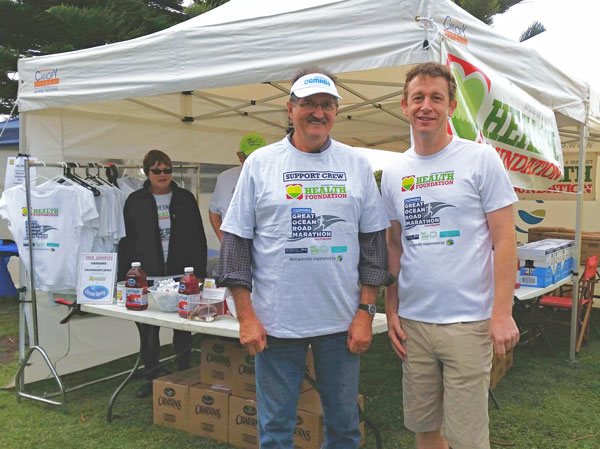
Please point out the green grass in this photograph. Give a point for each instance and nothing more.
(546, 403)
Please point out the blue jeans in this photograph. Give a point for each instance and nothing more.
(279, 373)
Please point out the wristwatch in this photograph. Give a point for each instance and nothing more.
(370, 308)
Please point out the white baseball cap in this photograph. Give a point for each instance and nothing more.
(314, 83)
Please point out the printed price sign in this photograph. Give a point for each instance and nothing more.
(96, 281)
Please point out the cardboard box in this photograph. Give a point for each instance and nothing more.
(243, 423)
(208, 412)
(244, 378)
(217, 361)
(308, 433)
(590, 241)
(170, 398)
(499, 368)
(310, 402)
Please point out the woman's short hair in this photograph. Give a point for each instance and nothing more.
(153, 157)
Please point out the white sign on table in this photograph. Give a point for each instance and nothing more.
(96, 281)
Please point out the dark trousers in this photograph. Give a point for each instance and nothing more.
(150, 348)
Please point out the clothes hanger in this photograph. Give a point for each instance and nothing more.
(77, 179)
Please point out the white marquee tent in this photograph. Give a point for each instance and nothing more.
(194, 89)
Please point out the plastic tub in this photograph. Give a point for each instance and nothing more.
(166, 301)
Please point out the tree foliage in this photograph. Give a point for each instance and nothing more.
(41, 27)
(533, 30)
(484, 10)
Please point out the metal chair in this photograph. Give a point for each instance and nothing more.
(585, 299)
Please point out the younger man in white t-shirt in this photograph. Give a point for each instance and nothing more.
(449, 201)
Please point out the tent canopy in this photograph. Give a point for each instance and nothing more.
(194, 89)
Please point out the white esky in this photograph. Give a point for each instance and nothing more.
(569, 41)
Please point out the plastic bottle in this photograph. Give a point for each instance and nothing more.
(136, 288)
(189, 292)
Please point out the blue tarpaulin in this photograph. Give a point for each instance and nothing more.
(10, 136)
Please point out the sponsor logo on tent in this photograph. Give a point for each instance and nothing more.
(455, 30)
(46, 80)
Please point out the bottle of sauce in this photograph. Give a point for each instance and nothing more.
(136, 288)
(189, 293)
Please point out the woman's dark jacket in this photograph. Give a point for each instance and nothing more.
(187, 244)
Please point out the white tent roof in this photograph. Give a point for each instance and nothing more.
(228, 69)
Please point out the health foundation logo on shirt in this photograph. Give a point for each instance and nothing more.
(414, 182)
(294, 192)
(327, 192)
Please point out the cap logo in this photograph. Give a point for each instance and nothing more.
(318, 81)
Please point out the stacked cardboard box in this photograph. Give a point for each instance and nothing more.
(218, 399)
(590, 241)
(500, 367)
(170, 398)
(208, 412)
(544, 262)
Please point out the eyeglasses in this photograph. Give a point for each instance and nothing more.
(309, 105)
(158, 171)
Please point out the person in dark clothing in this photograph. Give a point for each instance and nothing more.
(164, 232)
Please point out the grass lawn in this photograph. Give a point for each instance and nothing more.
(546, 402)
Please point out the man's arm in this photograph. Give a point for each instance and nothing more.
(235, 266)
(252, 333)
(395, 331)
(215, 221)
(372, 269)
(503, 330)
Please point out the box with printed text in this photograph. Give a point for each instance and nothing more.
(170, 398)
(208, 412)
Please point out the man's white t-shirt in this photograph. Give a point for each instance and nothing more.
(226, 182)
(63, 221)
(164, 221)
(303, 212)
(441, 201)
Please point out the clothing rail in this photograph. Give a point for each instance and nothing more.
(24, 356)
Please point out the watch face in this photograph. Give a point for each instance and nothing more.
(370, 308)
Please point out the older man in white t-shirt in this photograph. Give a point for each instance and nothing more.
(305, 235)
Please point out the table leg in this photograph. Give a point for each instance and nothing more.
(536, 322)
(133, 371)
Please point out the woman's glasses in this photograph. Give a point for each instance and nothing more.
(158, 171)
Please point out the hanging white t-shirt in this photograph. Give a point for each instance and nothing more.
(164, 221)
(226, 182)
(59, 216)
(303, 212)
(441, 201)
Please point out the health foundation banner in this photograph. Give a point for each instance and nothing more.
(566, 187)
(493, 110)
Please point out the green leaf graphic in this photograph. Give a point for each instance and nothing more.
(469, 98)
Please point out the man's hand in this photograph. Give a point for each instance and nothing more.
(504, 334)
(360, 333)
(252, 333)
(396, 334)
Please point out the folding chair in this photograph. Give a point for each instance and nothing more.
(585, 299)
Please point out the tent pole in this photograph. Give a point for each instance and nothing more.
(583, 130)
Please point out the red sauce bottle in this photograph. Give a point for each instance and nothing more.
(136, 288)
(189, 292)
